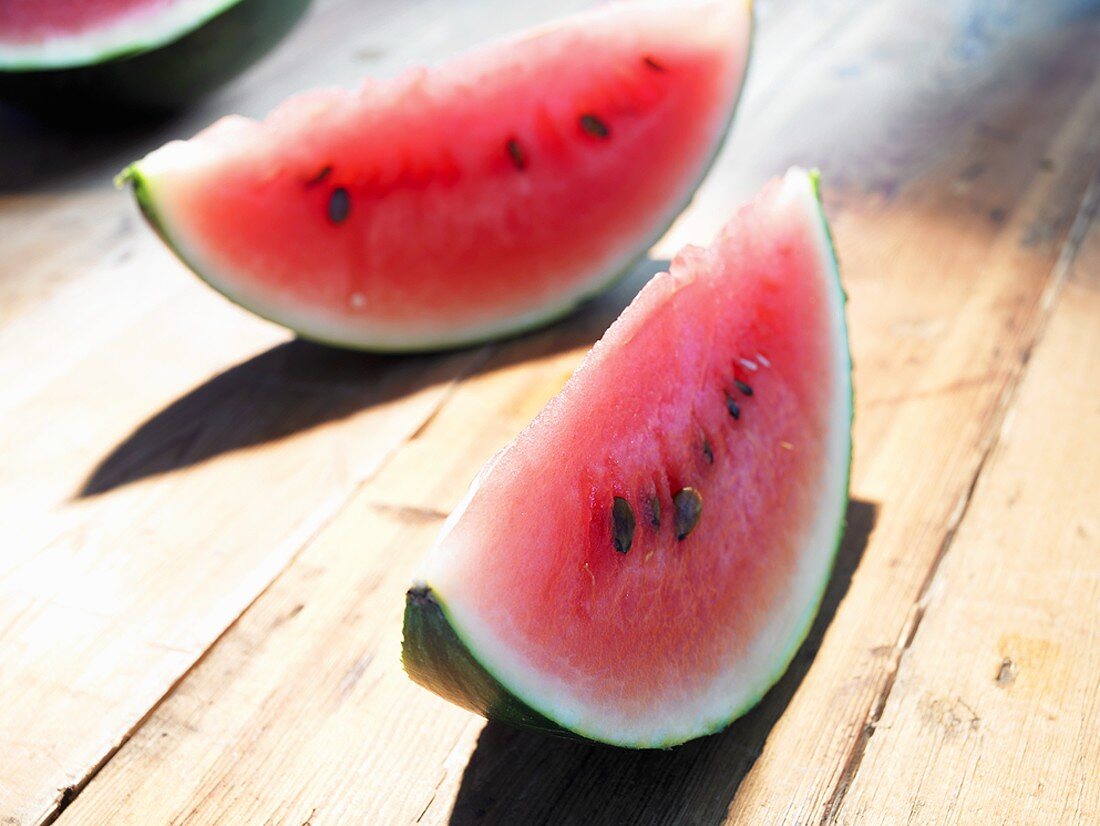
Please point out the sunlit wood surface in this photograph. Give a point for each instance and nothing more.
(207, 528)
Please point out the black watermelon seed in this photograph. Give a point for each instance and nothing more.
(689, 507)
(595, 127)
(320, 176)
(708, 452)
(744, 388)
(515, 152)
(733, 407)
(653, 64)
(622, 516)
(339, 205)
(655, 512)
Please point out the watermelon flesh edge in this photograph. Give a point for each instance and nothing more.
(673, 639)
(579, 144)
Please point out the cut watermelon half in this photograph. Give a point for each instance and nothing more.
(464, 202)
(640, 565)
(147, 54)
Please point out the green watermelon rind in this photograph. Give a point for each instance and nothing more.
(143, 187)
(436, 654)
(157, 73)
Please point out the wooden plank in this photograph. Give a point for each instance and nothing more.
(1015, 152)
(167, 408)
(141, 557)
(994, 713)
(165, 454)
(310, 676)
(949, 242)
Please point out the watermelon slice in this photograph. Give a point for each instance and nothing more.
(465, 202)
(146, 54)
(640, 565)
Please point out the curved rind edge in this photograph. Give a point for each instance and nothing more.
(507, 327)
(130, 48)
(814, 178)
(436, 657)
(133, 177)
(146, 201)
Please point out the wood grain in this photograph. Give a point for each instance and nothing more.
(325, 724)
(121, 569)
(164, 454)
(177, 453)
(188, 496)
(946, 299)
(963, 258)
(993, 714)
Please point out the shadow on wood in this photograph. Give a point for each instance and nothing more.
(519, 777)
(299, 385)
(37, 155)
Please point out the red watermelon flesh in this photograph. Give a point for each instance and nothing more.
(466, 201)
(729, 377)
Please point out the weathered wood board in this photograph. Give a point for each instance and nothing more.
(206, 528)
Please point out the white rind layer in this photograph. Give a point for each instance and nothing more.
(769, 655)
(139, 31)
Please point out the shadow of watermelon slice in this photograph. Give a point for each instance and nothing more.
(517, 776)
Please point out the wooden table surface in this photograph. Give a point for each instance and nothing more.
(207, 527)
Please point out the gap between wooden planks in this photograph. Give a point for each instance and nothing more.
(164, 455)
(301, 711)
(995, 708)
(912, 325)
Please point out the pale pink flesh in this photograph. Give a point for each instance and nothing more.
(530, 569)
